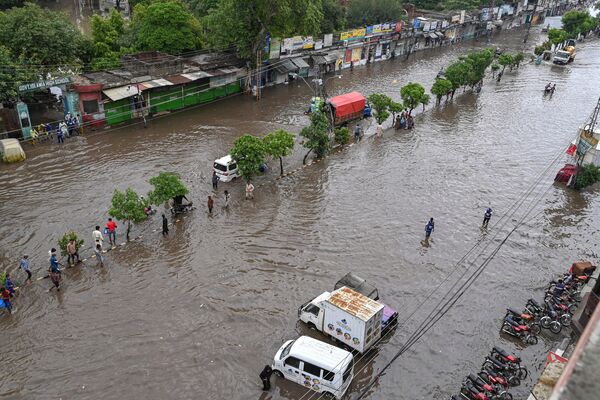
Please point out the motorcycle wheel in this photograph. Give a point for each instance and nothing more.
(522, 371)
(531, 339)
(506, 396)
(513, 380)
(572, 308)
(555, 327)
(545, 322)
(535, 328)
(565, 319)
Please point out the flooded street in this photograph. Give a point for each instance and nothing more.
(198, 314)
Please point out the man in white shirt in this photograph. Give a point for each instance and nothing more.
(97, 237)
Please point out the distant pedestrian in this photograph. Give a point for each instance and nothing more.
(60, 135)
(111, 228)
(486, 217)
(379, 130)
(410, 122)
(98, 254)
(397, 122)
(265, 377)
(429, 228)
(165, 222)
(210, 203)
(8, 283)
(54, 270)
(5, 295)
(215, 180)
(97, 236)
(72, 251)
(249, 190)
(227, 196)
(357, 132)
(24, 264)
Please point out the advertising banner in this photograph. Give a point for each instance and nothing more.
(44, 84)
(328, 40)
(275, 49)
(354, 34)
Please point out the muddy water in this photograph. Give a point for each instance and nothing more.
(198, 314)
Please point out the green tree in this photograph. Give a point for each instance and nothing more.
(127, 207)
(413, 94)
(316, 135)
(42, 40)
(245, 24)
(341, 135)
(518, 59)
(279, 144)
(6, 4)
(395, 107)
(425, 99)
(368, 12)
(165, 26)
(64, 240)
(457, 74)
(167, 185)
(577, 22)
(495, 67)
(249, 153)
(506, 60)
(381, 105)
(11, 75)
(477, 62)
(108, 34)
(441, 87)
(334, 17)
(557, 36)
(201, 8)
(587, 175)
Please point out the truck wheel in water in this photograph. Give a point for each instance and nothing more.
(277, 373)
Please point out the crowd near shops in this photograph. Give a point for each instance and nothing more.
(153, 83)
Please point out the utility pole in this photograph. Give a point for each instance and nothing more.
(530, 21)
(258, 59)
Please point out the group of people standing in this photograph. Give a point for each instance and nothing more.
(68, 127)
(404, 121)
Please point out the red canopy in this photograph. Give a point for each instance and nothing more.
(348, 103)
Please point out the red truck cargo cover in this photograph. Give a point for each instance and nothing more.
(348, 104)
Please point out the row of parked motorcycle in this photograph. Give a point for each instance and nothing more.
(499, 372)
(561, 300)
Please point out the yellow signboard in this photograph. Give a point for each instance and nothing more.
(353, 34)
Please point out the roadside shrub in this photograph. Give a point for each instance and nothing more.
(587, 175)
(342, 135)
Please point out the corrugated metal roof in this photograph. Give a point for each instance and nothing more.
(300, 63)
(197, 75)
(318, 60)
(156, 83)
(123, 92)
(178, 79)
(355, 303)
(285, 66)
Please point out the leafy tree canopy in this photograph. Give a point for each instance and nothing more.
(316, 134)
(39, 37)
(11, 75)
(167, 185)
(369, 12)
(441, 87)
(575, 22)
(557, 36)
(279, 144)
(245, 24)
(334, 17)
(127, 207)
(381, 104)
(249, 153)
(165, 26)
(412, 95)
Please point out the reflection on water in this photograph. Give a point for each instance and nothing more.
(201, 312)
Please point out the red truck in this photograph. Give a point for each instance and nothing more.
(349, 106)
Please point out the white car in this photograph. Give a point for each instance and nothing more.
(316, 365)
(226, 168)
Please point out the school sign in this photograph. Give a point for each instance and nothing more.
(44, 84)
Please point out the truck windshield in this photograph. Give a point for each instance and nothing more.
(286, 350)
(220, 167)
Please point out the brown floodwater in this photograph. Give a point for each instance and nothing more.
(198, 314)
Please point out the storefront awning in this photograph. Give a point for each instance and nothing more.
(432, 35)
(319, 60)
(300, 63)
(194, 76)
(333, 57)
(285, 66)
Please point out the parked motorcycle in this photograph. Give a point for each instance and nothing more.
(518, 330)
(505, 357)
(525, 319)
(493, 377)
(508, 371)
(493, 392)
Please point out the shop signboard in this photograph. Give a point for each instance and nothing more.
(354, 34)
(44, 84)
(275, 49)
(586, 142)
(462, 16)
(455, 19)
(328, 40)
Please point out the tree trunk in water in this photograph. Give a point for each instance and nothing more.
(305, 157)
(128, 229)
(281, 165)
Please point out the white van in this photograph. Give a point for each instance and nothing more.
(226, 168)
(315, 365)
